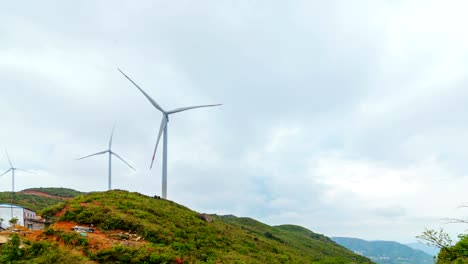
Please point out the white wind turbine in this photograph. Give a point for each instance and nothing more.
(12, 169)
(162, 128)
(110, 152)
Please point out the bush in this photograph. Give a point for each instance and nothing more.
(121, 254)
(11, 250)
(35, 252)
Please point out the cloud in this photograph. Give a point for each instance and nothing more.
(346, 118)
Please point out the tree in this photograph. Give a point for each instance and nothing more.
(435, 238)
(449, 252)
(13, 221)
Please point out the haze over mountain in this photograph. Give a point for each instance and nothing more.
(431, 250)
(385, 252)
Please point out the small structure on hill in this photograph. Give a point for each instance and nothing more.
(26, 217)
(83, 229)
(205, 217)
(36, 224)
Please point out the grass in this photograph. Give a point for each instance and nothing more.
(176, 233)
(18, 251)
(60, 192)
(30, 201)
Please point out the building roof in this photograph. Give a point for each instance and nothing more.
(6, 205)
(43, 221)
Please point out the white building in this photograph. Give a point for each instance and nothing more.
(9, 211)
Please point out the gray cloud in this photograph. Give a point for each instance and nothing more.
(338, 116)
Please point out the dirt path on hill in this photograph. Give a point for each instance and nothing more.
(45, 195)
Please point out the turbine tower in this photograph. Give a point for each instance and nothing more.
(110, 153)
(12, 169)
(163, 127)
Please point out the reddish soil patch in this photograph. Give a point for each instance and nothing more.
(45, 195)
(99, 239)
(65, 226)
(34, 235)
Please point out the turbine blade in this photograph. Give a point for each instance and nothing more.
(8, 157)
(99, 153)
(190, 107)
(26, 171)
(6, 172)
(161, 129)
(112, 134)
(145, 94)
(115, 154)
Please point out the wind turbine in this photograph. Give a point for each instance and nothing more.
(12, 169)
(110, 152)
(163, 127)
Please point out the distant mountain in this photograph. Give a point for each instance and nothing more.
(31, 201)
(433, 251)
(385, 252)
(39, 198)
(53, 192)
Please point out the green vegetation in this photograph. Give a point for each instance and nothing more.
(33, 202)
(61, 192)
(177, 234)
(297, 237)
(13, 221)
(457, 253)
(17, 251)
(68, 238)
(37, 202)
(449, 252)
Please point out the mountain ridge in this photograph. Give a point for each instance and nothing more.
(143, 229)
(385, 252)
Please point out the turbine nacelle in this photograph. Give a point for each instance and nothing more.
(110, 155)
(163, 127)
(13, 169)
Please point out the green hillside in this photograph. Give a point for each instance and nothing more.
(176, 234)
(54, 191)
(30, 201)
(297, 237)
(37, 202)
(386, 252)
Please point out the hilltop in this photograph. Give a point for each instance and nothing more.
(134, 228)
(54, 192)
(39, 198)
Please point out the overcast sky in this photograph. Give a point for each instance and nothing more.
(346, 117)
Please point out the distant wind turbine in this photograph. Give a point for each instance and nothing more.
(110, 158)
(12, 169)
(162, 128)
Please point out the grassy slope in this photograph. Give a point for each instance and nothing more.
(61, 192)
(36, 202)
(30, 201)
(177, 232)
(303, 241)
